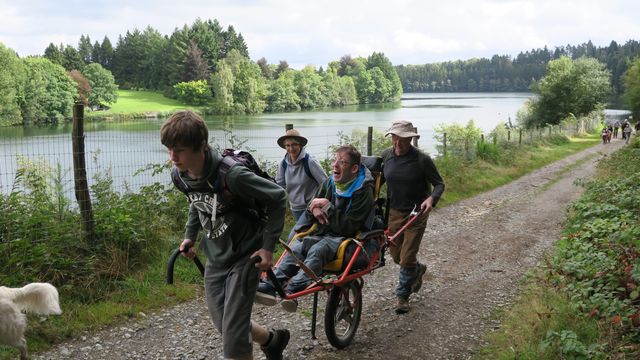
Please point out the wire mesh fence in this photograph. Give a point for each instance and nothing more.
(127, 156)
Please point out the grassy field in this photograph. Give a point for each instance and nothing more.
(133, 102)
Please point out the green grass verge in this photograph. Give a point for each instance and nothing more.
(486, 176)
(538, 311)
(581, 304)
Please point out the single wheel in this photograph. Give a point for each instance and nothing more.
(342, 315)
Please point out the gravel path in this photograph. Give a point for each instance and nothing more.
(477, 250)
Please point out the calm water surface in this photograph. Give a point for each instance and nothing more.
(124, 147)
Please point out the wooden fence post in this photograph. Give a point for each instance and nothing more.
(520, 138)
(369, 140)
(508, 135)
(444, 144)
(80, 175)
(481, 138)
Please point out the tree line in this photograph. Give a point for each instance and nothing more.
(204, 64)
(35, 91)
(504, 73)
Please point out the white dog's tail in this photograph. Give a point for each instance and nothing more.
(36, 298)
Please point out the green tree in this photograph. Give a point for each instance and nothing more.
(378, 60)
(222, 82)
(106, 53)
(195, 67)
(85, 49)
(282, 93)
(72, 59)
(54, 54)
(632, 88)
(193, 92)
(12, 78)
(338, 90)
(309, 88)
(569, 87)
(382, 88)
(49, 93)
(104, 90)
(207, 35)
(249, 86)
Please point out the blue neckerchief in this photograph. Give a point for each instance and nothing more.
(357, 184)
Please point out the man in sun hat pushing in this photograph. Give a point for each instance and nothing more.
(413, 182)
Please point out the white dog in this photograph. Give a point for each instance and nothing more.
(35, 298)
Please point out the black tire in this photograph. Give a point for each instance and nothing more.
(342, 314)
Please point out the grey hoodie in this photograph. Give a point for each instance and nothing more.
(300, 187)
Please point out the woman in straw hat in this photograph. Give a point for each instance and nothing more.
(299, 173)
(412, 182)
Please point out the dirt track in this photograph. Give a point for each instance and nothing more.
(477, 251)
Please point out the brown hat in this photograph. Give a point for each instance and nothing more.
(292, 134)
(403, 129)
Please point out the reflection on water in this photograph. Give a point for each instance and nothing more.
(440, 106)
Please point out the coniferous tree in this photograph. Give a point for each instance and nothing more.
(195, 67)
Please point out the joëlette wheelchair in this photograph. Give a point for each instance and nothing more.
(342, 278)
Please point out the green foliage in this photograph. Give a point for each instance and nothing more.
(309, 88)
(632, 88)
(282, 93)
(461, 140)
(598, 259)
(239, 86)
(193, 92)
(46, 245)
(12, 78)
(49, 92)
(570, 87)
(104, 90)
(565, 345)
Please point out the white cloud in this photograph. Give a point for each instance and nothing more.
(317, 32)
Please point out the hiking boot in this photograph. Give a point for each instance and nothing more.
(266, 294)
(403, 306)
(422, 269)
(273, 350)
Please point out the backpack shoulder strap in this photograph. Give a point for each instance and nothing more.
(225, 165)
(178, 182)
(305, 165)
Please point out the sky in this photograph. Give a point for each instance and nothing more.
(312, 32)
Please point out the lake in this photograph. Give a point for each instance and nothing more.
(122, 148)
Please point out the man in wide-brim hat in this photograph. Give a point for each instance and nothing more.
(403, 129)
(413, 182)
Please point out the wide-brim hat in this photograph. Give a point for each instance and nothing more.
(403, 129)
(292, 134)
